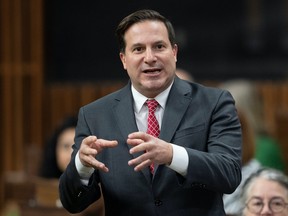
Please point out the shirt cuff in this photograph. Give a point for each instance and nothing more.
(180, 160)
(83, 171)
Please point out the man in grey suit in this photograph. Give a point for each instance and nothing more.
(197, 156)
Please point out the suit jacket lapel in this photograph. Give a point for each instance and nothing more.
(123, 112)
(177, 103)
(176, 106)
(124, 115)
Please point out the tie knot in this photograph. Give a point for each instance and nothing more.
(152, 105)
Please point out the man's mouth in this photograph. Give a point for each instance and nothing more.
(152, 71)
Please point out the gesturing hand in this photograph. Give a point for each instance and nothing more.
(155, 150)
(90, 147)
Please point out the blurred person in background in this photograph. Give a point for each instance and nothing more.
(57, 155)
(248, 107)
(184, 74)
(265, 193)
(267, 151)
(250, 165)
(58, 149)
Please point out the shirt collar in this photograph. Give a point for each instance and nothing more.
(140, 99)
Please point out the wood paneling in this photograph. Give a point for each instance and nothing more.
(64, 99)
(21, 82)
(21, 79)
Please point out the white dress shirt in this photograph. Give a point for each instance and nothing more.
(180, 158)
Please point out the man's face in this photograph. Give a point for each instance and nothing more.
(149, 58)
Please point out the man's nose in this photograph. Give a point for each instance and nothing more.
(150, 56)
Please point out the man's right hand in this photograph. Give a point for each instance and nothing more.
(90, 147)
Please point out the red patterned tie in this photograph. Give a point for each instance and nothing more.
(153, 125)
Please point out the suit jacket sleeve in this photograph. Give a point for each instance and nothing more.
(214, 143)
(70, 186)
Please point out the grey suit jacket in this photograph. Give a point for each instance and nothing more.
(201, 119)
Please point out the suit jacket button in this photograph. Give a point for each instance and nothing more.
(158, 202)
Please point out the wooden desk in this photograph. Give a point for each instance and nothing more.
(26, 210)
(34, 196)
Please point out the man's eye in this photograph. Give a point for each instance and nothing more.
(137, 49)
(160, 46)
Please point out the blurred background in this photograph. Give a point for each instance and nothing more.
(217, 39)
(57, 55)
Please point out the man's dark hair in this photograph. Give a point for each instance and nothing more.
(141, 16)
